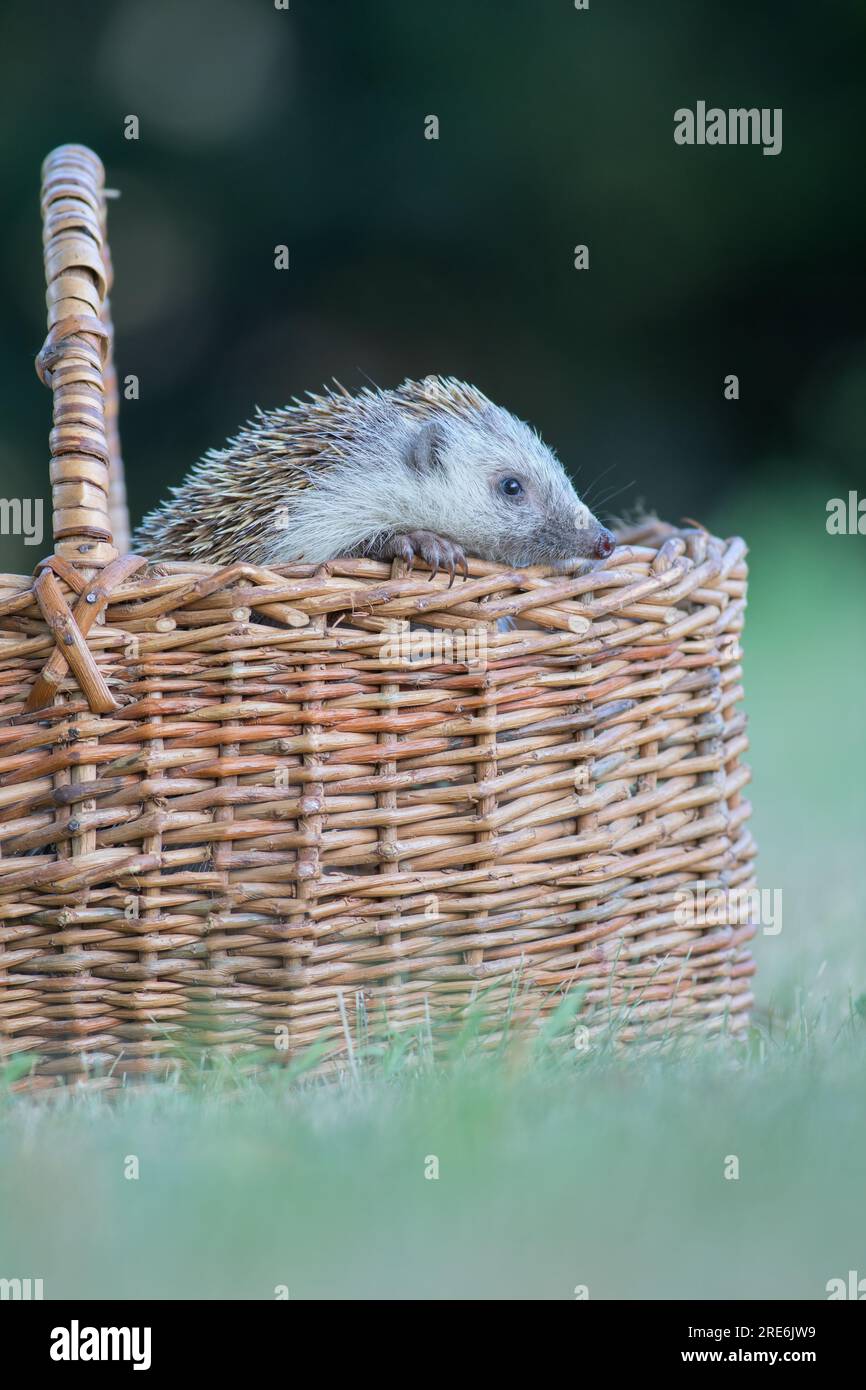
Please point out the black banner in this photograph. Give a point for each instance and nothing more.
(66, 1339)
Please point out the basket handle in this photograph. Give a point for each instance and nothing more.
(89, 511)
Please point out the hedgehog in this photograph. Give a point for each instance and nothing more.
(430, 470)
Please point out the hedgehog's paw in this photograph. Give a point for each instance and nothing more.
(436, 551)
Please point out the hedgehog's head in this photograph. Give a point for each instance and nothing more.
(490, 483)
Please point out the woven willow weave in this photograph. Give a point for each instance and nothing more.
(399, 800)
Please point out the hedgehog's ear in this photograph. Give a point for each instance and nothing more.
(425, 448)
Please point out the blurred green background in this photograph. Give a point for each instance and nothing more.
(409, 256)
(305, 127)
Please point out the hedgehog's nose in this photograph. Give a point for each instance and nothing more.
(605, 544)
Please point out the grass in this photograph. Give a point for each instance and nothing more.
(557, 1169)
(600, 1170)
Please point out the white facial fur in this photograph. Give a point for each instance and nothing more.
(443, 475)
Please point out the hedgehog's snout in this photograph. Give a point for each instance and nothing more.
(605, 543)
(587, 539)
(594, 541)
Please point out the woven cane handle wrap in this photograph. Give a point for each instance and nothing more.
(76, 354)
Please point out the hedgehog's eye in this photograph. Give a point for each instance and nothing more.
(511, 487)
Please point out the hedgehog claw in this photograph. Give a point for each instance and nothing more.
(436, 551)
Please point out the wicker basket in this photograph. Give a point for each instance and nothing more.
(400, 800)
